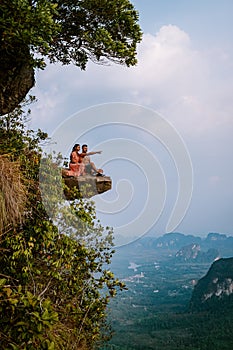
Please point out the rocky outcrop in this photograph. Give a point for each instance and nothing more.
(16, 78)
(189, 252)
(86, 186)
(215, 288)
(192, 253)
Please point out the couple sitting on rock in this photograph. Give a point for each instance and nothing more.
(80, 163)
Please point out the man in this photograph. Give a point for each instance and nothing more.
(90, 167)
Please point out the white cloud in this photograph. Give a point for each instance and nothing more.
(184, 84)
(191, 87)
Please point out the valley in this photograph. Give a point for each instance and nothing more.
(153, 313)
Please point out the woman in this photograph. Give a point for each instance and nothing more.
(76, 168)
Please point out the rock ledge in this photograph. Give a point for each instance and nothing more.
(87, 186)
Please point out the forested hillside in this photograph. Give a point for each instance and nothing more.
(50, 295)
(54, 278)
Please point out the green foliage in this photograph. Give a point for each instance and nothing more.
(54, 281)
(96, 30)
(16, 141)
(70, 30)
(27, 24)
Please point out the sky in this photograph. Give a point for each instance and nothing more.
(165, 126)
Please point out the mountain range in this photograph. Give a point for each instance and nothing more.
(170, 243)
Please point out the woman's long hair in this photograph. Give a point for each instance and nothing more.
(75, 146)
(73, 149)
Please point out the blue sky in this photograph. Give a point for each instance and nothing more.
(205, 21)
(185, 76)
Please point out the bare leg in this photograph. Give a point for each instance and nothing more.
(95, 169)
